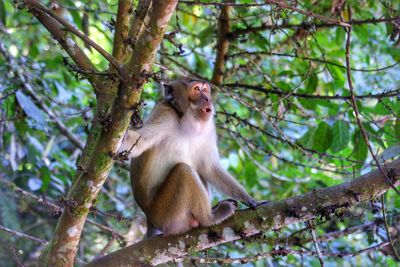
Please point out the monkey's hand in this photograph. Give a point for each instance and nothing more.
(253, 204)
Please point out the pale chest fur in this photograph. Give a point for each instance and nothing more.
(189, 143)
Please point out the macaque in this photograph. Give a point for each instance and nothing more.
(175, 159)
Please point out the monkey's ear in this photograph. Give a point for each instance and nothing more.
(168, 91)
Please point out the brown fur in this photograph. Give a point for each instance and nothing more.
(176, 158)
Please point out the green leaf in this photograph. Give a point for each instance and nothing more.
(397, 128)
(45, 175)
(9, 106)
(259, 40)
(205, 36)
(360, 150)
(32, 110)
(312, 83)
(285, 73)
(34, 51)
(308, 104)
(340, 136)
(337, 74)
(73, 16)
(3, 13)
(318, 138)
(339, 35)
(322, 137)
(283, 85)
(8, 209)
(373, 134)
(389, 28)
(362, 32)
(307, 140)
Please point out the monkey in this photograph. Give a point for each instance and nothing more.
(174, 159)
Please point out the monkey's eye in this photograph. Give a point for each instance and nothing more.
(197, 88)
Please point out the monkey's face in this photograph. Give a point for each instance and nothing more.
(199, 97)
(189, 95)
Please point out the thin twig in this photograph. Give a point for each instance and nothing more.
(357, 113)
(305, 25)
(17, 260)
(307, 13)
(314, 239)
(33, 4)
(26, 85)
(261, 89)
(365, 135)
(199, 3)
(280, 4)
(396, 253)
(22, 235)
(55, 207)
(269, 53)
(106, 248)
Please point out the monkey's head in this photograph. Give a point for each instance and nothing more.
(192, 95)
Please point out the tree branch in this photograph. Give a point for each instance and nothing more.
(36, 8)
(305, 58)
(63, 247)
(124, 14)
(22, 235)
(276, 91)
(19, 73)
(280, 4)
(69, 45)
(365, 135)
(236, 33)
(52, 205)
(307, 13)
(222, 45)
(271, 216)
(138, 21)
(284, 252)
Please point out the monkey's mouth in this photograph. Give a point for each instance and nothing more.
(202, 108)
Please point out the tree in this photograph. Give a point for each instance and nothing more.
(306, 98)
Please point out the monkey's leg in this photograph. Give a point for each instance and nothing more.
(182, 203)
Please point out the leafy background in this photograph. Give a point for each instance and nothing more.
(285, 122)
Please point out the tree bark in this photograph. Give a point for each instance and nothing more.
(275, 215)
(224, 27)
(109, 126)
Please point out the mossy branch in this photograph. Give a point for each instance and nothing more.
(275, 215)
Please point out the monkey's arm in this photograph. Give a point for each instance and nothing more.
(131, 143)
(160, 123)
(227, 184)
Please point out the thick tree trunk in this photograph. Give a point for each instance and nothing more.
(116, 101)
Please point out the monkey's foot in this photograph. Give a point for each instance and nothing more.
(223, 210)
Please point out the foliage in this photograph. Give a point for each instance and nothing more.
(284, 117)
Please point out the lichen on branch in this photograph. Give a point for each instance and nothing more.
(275, 215)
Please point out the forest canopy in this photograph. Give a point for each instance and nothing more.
(306, 96)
